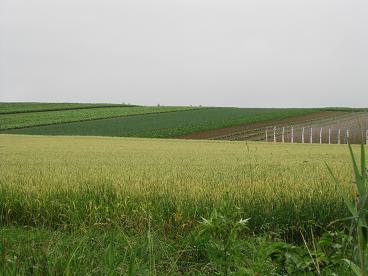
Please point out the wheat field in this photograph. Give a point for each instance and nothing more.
(74, 182)
(129, 206)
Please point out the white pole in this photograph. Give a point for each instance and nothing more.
(320, 136)
(266, 135)
(292, 134)
(347, 136)
(329, 136)
(274, 134)
(303, 135)
(339, 137)
(311, 135)
(283, 134)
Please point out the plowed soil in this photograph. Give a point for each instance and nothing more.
(234, 129)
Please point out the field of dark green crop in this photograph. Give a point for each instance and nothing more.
(11, 108)
(162, 125)
(20, 120)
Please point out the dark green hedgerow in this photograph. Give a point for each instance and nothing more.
(27, 107)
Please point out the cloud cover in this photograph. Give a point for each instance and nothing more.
(255, 53)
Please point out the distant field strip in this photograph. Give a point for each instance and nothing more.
(21, 120)
(167, 124)
(258, 134)
(12, 108)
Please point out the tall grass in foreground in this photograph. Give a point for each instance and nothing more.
(359, 211)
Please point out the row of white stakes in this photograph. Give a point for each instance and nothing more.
(311, 135)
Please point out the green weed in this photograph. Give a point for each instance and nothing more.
(359, 211)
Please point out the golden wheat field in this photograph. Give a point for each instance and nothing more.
(73, 181)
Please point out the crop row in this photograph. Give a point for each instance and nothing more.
(333, 130)
(21, 120)
(12, 108)
(258, 134)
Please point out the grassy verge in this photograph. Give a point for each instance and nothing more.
(113, 252)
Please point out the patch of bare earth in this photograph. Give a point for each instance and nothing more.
(208, 134)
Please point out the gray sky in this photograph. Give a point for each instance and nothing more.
(247, 53)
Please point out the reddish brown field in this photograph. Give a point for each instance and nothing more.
(323, 127)
(239, 128)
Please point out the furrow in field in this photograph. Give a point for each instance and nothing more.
(15, 108)
(251, 125)
(336, 129)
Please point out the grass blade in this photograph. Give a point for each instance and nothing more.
(361, 188)
(343, 194)
(363, 163)
(354, 267)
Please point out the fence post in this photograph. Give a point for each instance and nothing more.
(266, 135)
(366, 137)
(329, 136)
(320, 136)
(292, 134)
(283, 134)
(303, 135)
(347, 136)
(339, 137)
(311, 135)
(274, 134)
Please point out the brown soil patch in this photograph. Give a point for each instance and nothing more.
(229, 130)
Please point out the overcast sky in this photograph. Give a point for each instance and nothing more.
(248, 53)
